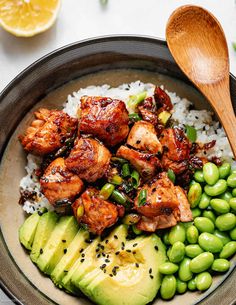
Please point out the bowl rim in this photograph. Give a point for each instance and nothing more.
(56, 52)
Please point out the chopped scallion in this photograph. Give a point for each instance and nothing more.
(125, 170)
(142, 198)
(116, 179)
(191, 133)
(106, 191)
(171, 175)
(118, 160)
(118, 197)
(234, 46)
(135, 100)
(135, 117)
(135, 179)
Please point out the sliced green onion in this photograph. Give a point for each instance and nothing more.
(142, 198)
(131, 219)
(135, 179)
(118, 160)
(135, 117)
(125, 170)
(191, 133)
(118, 197)
(103, 2)
(171, 175)
(136, 230)
(234, 46)
(164, 117)
(135, 100)
(116, 179)
(106, 191)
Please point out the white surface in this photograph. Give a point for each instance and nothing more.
(81, 19)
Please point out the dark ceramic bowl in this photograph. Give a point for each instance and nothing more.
(112, 60)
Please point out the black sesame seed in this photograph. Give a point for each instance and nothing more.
(107, 260)
(83, 255)
(128, 250)
(81, 250)
(65, 271)
(156, 248)
(82, 260)
(150, 270)
(122, 248)
(134, 245)
(107, 255)
(151, 276)
(104, 271)
(97, 250)
(111, 275)
(88, 241)
(134, 252)
(103, 254)
(98, 255)
(123, 244)
(102, 247)
(117, 253)
(65, 250)
(137, 265)
(64, 240)
(103, 266)
(115, 236)
(106, 241)
(41, 251)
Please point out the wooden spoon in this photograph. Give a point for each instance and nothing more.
(198, 45)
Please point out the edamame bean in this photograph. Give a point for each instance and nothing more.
(198, 176)
(232, 234)
(168, 287)
(184, 273)
(177, 233)
(177, 252)
(192, 284)
(181, 286)
(203, 281)
(204, 201)
(226, 222)
(210, 173)
(166, 239)
(194, 194)
(233, 171)
(224, 170)
(232, 203)
(226, 196)
(201, 262)
(223, 236)
(217, 189)
(196, 212)
(210, 215)
(219, 205)
(168, 268)
(220, 265)
(228, 250)
(210, 242)
(231, 181)
(192, 235)
(234, 192)
(204, 224)
(193, 250)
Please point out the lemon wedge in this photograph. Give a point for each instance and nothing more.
(28, 17)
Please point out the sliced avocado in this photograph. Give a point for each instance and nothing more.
(45, 227)
(28, 229)
(136, 279)
(74, 251)
(57, 244)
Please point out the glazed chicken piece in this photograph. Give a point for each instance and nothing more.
(146, 164)
(176, 150)
(89, 159)
(184, 207)
(59, 185)
(151, 224)
(148, 110)
(96, 213)
(48, 131)
(143, 136)
(162, 100)
(105, 118)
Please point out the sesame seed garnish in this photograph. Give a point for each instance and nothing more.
(83, 255)
(115, 236)
(151, 276)
(103, 254)
(107, 255)
(123, 244)
(98, 255)
(103, 266)
(150, 270)
(122, 248)
(134, 245)
(104, 271)
(64, 240)
(134, 252)
(111, 275)
(117, 253)
(102, 247)
(65, 271)
(41, 251)
(81, 250)
(156, 248)
(107, 260)
(106, 241)
(82, 260)
(137, 265)
(65, 250)
(97, 250)
(128, 250)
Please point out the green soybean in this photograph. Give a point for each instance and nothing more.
(210, 242)
(232, 203)
(168, 268)
(204, 201)
(226, 196)
(198, 176)
(181, 286)
(217, 189)
(192, 234)
(219, 205)
(184, 273)
(232, 234)
(224, 170)
(177, 233)
(194, 194)
(204, 224)
(226, 222)
(168, 287)
(166, 238)
(210, 215)
(228, 250)
(201, 262)
(231, 181)
(192, 284)
(210, 173)
(193, 250)
(234, 192)
(223, 236)
(196, 212)
(203, 281)
(220, 265)
(177, 252)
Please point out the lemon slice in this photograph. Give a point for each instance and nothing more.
(28, 17)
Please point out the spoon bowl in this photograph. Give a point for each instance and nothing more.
(198, 45)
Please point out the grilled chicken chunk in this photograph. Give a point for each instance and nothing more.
(162, 100)
(89, 159)
(59, 185)
(184, 206)
(143, 136)
(146, 164)
(48, 131)
(96, 213)
(105, 118)
(151, 224)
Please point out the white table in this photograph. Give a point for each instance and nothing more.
(81, 19)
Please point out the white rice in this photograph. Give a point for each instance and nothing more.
(201, 120)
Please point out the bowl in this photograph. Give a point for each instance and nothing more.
(48, 81)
